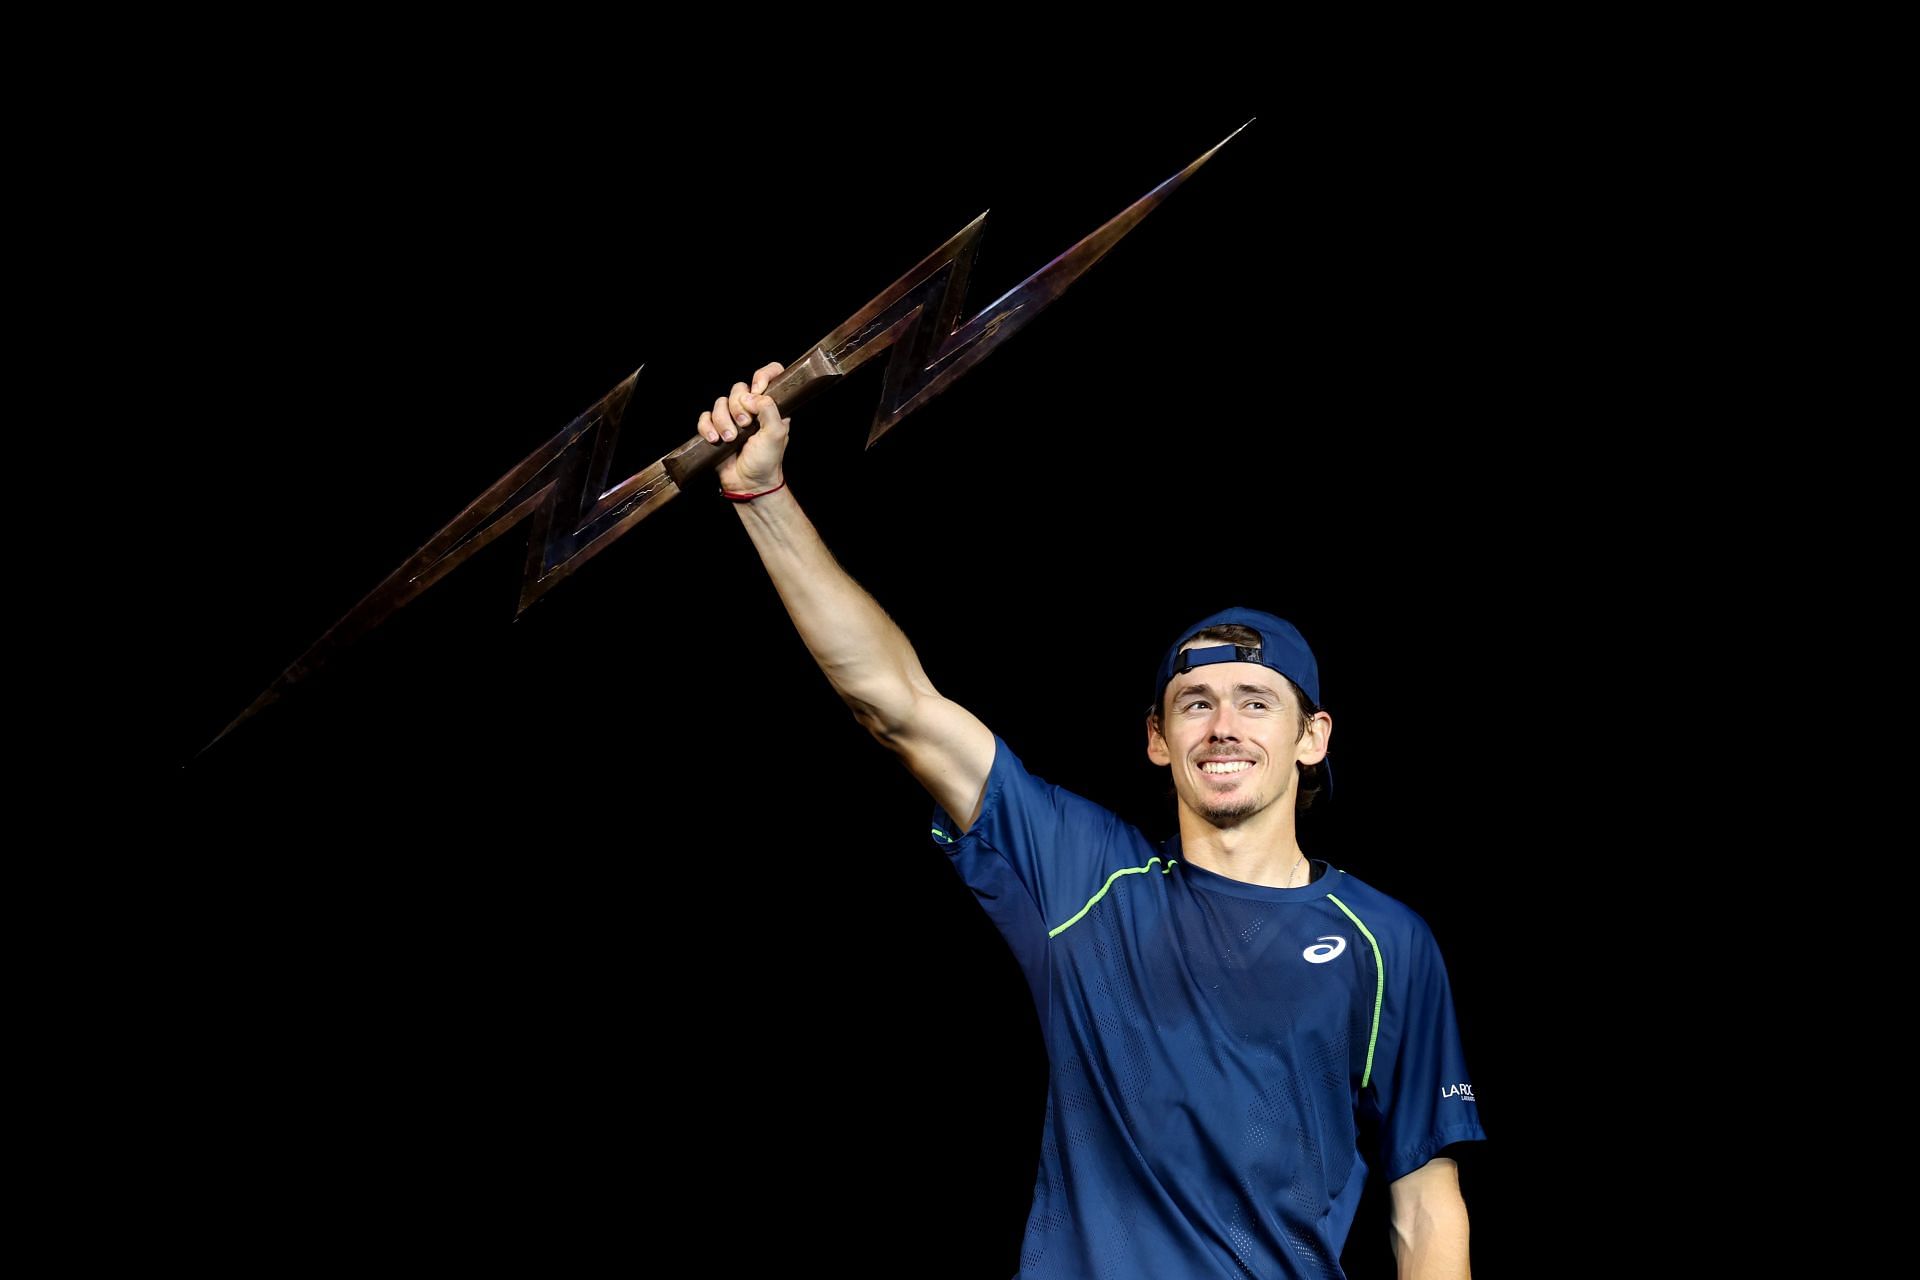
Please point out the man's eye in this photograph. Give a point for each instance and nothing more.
(1261, 705)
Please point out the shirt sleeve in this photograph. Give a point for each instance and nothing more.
(1035, 856)
(1422, 1088)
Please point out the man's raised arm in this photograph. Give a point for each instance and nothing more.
(865, 655)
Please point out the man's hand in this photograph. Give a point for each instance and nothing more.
(756, 467)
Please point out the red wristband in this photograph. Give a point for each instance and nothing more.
(749, 497)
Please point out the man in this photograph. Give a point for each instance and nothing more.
(1230, 1025)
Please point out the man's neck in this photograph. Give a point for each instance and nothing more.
(1254, 853)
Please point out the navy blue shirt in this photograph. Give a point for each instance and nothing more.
(1217, 1049)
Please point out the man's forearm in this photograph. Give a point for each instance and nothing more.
(1431, 1243)
(865, 655)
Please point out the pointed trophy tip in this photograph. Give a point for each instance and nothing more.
(1223, 142)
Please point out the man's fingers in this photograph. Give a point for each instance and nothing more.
(739, 407)
(770, 419)
(739, 402)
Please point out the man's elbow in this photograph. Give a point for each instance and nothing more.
(887, 719)
(889, 711)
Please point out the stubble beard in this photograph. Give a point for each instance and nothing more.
(1228, 813)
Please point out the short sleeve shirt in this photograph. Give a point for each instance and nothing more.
(1217, 1049)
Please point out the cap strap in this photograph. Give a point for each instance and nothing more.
(1191, 658)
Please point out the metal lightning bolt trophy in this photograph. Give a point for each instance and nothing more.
(561, 487)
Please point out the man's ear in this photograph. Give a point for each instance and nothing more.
(1313, 744)
(1156, 744)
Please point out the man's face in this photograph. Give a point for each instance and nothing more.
(1230, 732)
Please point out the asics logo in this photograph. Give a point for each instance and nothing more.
(1323, 953)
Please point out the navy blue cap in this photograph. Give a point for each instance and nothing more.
(1282, 648)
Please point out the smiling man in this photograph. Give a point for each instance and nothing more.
(1236, 1033)
(1238, 735)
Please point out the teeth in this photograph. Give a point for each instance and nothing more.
(1230, 766)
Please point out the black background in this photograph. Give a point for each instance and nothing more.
(568, 936)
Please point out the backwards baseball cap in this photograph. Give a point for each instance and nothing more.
(1282, 648)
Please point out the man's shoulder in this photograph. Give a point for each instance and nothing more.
(1378, 909)
(1022, 803)
(1043, 775)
